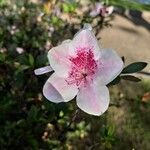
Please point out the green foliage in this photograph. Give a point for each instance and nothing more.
(27, 120)
(134, 67)
(130, 78)
(3, 2)
(131, 68)
(108, 136)
(23, 116)
(115, 81)
(69, 7)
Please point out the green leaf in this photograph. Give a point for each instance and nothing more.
(111, 130)
(41, 60)
(69, 7)
(31, 60)
(23, 59)
(115, 81)
(33, 114)
(65, 7)
(134, 67)
(2, 57)
(21, 69)
(55, 20)
(130, 78)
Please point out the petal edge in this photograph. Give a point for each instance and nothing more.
(51, 93)
(93, 99)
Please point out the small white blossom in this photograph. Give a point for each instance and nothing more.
(19, 50)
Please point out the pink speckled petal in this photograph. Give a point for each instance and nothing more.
(93, 99)
(85, 40)
(99, 6)
(110, 10)
(94, 13)
(59, 58)
(67, 91)
(96, 9)
(51, 93)
(110, 66)
(43, 70)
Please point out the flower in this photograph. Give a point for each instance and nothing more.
(102, 10)
(19, 50)
(81, 69)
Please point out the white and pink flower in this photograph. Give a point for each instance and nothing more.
(81, 69)
(102, 10)
(19, 50)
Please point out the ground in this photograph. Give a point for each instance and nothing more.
(129, 38)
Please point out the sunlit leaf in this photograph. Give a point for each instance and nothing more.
(31, 60)
(22, 68)
(2, 57)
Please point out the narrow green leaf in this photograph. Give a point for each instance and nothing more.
(115, 81)
(21, 69)
(111, 130)
(65, 8)
(33, 114)
(130, 78)
(134, 67)
(2, 57)
(31, 60)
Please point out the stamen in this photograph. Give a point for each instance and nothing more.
(83, 67)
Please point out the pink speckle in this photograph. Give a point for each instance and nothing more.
(104, 11)
(83, 67)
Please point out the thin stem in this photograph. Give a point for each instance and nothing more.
(73, 118)
(61, 136)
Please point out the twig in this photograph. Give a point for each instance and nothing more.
(61, 136)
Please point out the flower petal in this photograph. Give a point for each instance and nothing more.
(93, 99)
(94, 13)
(107, 11)
(85, 39)
(110, 10)
(110, 66)
(59, 58)
(43, 70)
(99, 6)
(67, 91)
(51, 93)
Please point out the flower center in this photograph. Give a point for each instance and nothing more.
(83, 67)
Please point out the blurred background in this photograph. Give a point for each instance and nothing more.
(28, 121)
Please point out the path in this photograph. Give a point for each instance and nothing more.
(128, 39)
